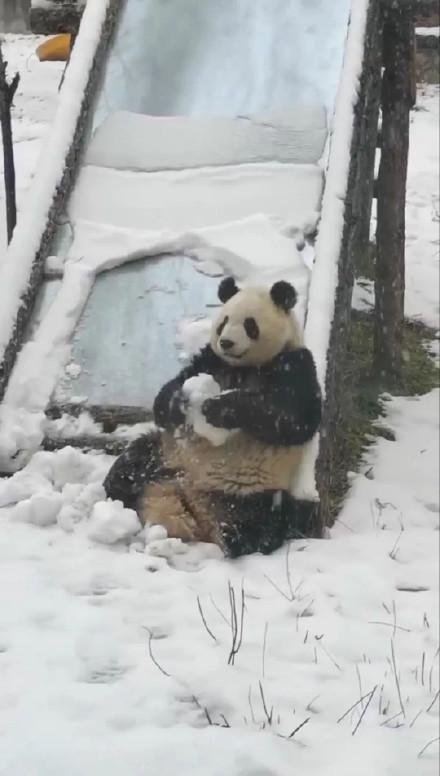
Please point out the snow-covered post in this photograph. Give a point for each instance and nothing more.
(7, 92)
(391, 190)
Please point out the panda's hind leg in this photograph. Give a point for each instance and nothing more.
(140, 463)
(262, 522)
(254, 522)
(184, 512)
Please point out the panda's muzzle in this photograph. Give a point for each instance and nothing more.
(226, 344)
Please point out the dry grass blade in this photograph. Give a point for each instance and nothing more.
(278, 589)
(360, 684)
(288, 575)
(250, 705)
(207, 628)
(204, 709)
(269, 716)
(395, 549)
(394, 619)
(150, 650)
(263, 657)
(432, 741)
(310, 703)
(360, 701)
(217, 608)
(294, 732)
(332, 660)
(396, 677)
(433, 701)
(364, 711)
(235, 623)
(390, 719)
(390, 625)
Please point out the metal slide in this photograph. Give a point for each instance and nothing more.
(206, 64)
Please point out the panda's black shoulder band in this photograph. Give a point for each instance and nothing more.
(227, 289)
(284, 295)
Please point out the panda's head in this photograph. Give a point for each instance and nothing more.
(255, 324)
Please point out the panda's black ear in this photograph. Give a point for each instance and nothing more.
(283, 295)
(227, 289)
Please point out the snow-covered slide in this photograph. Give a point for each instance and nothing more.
(209, 155)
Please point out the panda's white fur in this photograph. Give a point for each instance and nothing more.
(268, 385)
(242, 465)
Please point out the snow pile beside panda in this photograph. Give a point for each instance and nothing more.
(65, 488)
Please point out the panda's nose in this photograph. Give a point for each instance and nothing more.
(226, 344)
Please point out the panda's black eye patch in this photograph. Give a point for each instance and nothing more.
(222, 326)
(251, 328)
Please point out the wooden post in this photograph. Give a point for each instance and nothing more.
(391, 192)
(7, 92)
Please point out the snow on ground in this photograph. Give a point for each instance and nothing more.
(423, 211)
(34, 108)
(116, 645)
(107, 666)
(422, 216)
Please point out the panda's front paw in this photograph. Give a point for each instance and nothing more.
(178, 409)
(219, 414)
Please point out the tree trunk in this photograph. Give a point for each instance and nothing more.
(391, 193)
(7, 92)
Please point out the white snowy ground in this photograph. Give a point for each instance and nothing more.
(34, 107)
(422, 215)
(107, 667)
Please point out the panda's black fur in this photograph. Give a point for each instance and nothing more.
(276, 403)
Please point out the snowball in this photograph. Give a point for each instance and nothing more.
(89, 496)
(73, 370)
(196, 390)
(68, 517)
(70, 466)
(110, 522)
(71, 492)
(41, 509)
(21, 486)
(155, 532)
(166, 548)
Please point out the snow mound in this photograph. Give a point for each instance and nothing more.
(64, 490)
(196, 390)
(110, 522)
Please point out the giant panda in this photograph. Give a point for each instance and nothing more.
(268, 406)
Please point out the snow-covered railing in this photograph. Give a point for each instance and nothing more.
(343, 235)
(21, 269)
